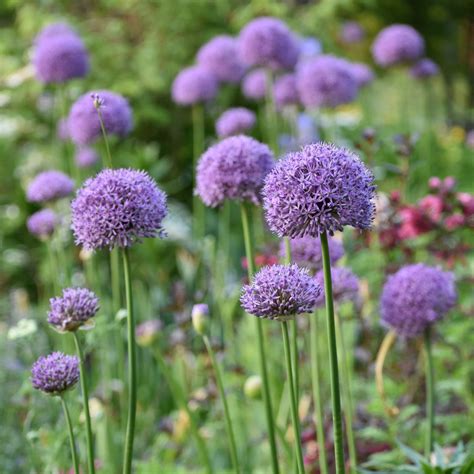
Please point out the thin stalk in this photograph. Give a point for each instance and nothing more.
(85, 398)
(132, 367)
(430, 394)
(334, 371)
(53, 267)
(261, 348)
(318, 405)
(108, 155)
(271, 116)
(228, 420)
(199, 224)
(115, 279)
(294, 407)
(72, 441)
(347, 395)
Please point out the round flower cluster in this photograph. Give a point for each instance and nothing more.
(48, 186)
(85, 157)
(73, 309)
(254, 85)
(193, 85)
(117, 208)
(319, 189)
(55, 373)
(326, 81)
(42, 223)
(235, 121)
(280, 292)
(268, 42)
(284, 90)
(397, 44)
(84, 124)
(345, 286)
(362, 73)
(220, 57)
(416, 297)
(233, 169)
(424, 68)
(352, 32)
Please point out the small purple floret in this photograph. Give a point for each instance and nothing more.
(285, 91)
(49, 186)
(55, 373)
(424, 69)
(42, 223)
(254, 84)
(345, 286)
(362, 73)
(194, 85)
(352, 32)
(86, 156)
(235, 121)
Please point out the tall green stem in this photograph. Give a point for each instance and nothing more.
(72, 441)
(199, 224)
(228, 420)
(261, 348)
(315, 372)
(132, 367)
(85, 398)
(430, 394)
(271, 116)
(294, 406)
(334, 371)
(108, 155)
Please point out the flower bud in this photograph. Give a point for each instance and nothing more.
(200, 317)
(253, 387)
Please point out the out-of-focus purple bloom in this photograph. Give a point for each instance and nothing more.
(84, 124)
(280, 292)
(220, 57)
(235, 121)
(48, 186)
(307, 131)
(352, 32)
(309, 48)
(85, 156)
(52, 30)
(362, 73)
(268, 42)
(326, 81)
(345, 286)
(55, 373)
(148, 331)
(397, 44)
(470, 139)
(73, 309)
(319, 189)
(200, 318)
(284, 90)
(254, 84)
(117, 208)
(416, 297)
(62, 130)
(233, 169)
(306, 252)
(42, 223)
(194, 85)
(424, 68)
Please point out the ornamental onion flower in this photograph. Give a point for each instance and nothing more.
(233, 169)
(85, 156)
(55, 373)
(235, 121)
(285, 91)
(254, 84)
(424, 68)
(362, 73)
(52, 30)
(42, 223)
(280, 292)
(345, 286)
(319, 189)
(49, 186)
(194, 85)
(117, 208)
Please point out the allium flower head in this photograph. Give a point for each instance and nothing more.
(319, 189)
(416, 297)
(424, 68)
(268, 42)
(48, 186)
(52, 30)
(85, 156)
(326, 81)
(55, 373)
(220, 57)
(117, 208)
(233, 169)
(75, 308)
(84, 123)
(352, 32)
(194, 85)
(362, 73)
(235, 121)
(254, 84)
(345, 285)
(280, 292)
(397, 44)
(306, 251)
(284, 90)
(42, 223)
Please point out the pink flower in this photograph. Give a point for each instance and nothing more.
(467, 203)
(414, 223)
(434, 182)
(448, 184)
(433, 206)
(454, 221)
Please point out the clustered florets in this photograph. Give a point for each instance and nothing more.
(194, 85)
(42, 223)
(345, 286)
(49, 186)
(55, 373)
(235, 121)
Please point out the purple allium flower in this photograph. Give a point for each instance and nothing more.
(306, 251)
(84, 123)
(254, 84)
(220, 57)
(73, 309)
(284, 90)
(55, 373)
(233, 169)
(268, 42)
(326, 81)
(235, 121)
(362, 73)
(424, 68)
(319, 189)
(345, 285)
(62, 130)
(416, 297)
(117, 208)
(352, 32)
(193, 85)
(85, 156)
(280, 292)
(309, 48)
(147, 332)
(59, 55)
(307, 131)
(397, 44)
(42, 223)
(48, 186)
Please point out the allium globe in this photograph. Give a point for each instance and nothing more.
(235, 121)
(117, 208)
(254, 84)
(42, 223)
(85, 156)
(55, 373)
(54, 29)
(319, 189)
(424, 68)
(285, 91)
(233, 169)
(345, 286)
(49, 186)
(362, 73)
(416, 297)
(194, 85)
